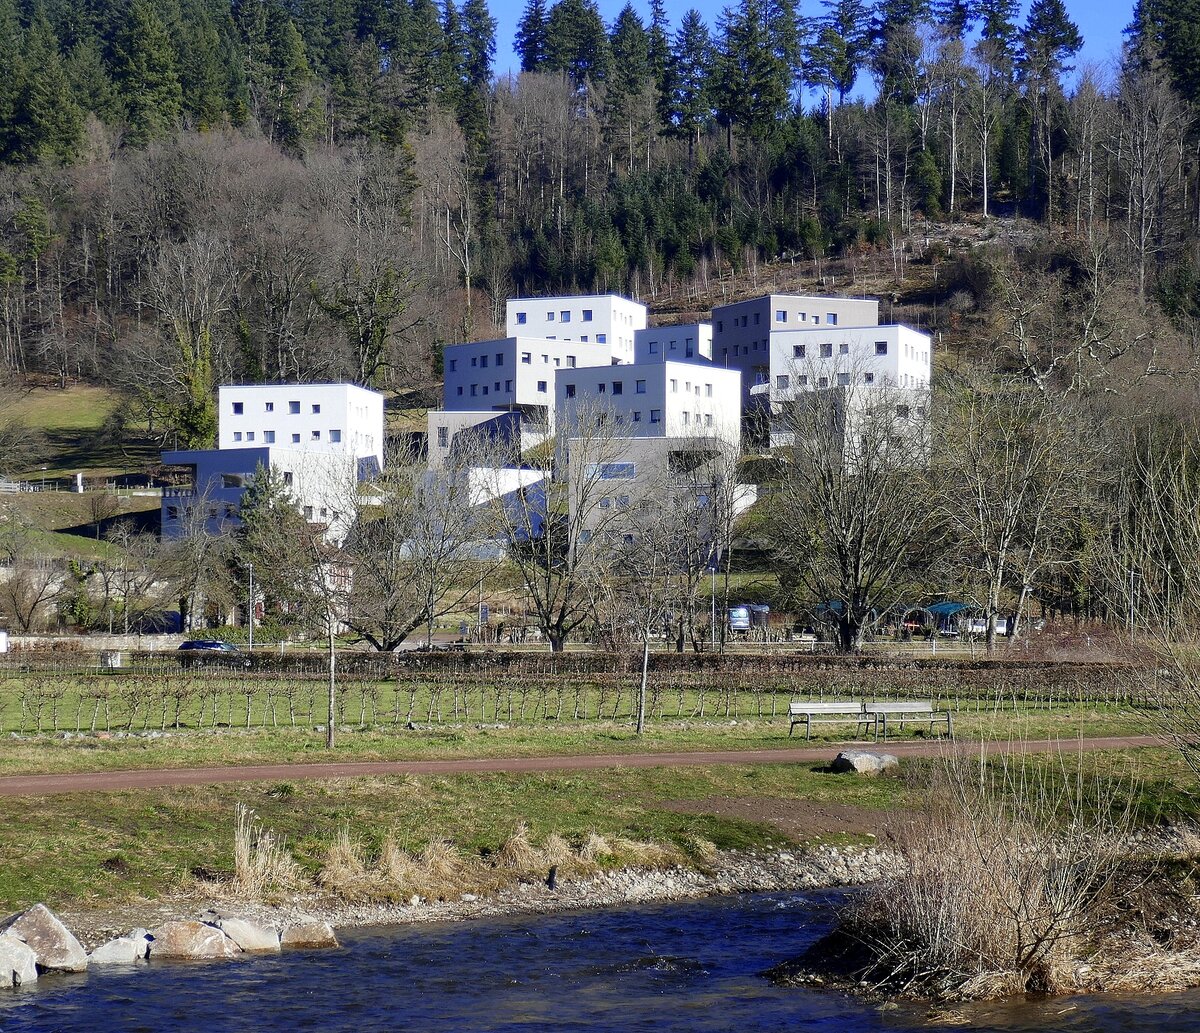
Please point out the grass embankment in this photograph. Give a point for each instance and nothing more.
(257, 745)
(99, 848)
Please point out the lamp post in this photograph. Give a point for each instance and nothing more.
(250, 610)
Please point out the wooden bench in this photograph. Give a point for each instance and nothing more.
(808, 714)
(884, 714)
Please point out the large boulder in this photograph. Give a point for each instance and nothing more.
(308, 935)
(124, 950)
(191, 940)
(56, 949)
(18, 962)
(861, 762)
(254, 939)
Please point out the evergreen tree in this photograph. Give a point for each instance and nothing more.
(423, 48)
(953, 18)
(288, 75)
(1170, 30)
(577, 43)
(659, 42)
(998, 38)
(11, 82)
(752, 81)
(688, 78)
(840, 45)
(91, 85)
(1049, 40)
(202, 79)
(479, 37)
(533, 36)
(48, 122)
(146, 74)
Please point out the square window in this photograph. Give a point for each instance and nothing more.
(460, 391)
(844, 348)
(653, 347)
(708, 419)
(294, 408)
(474, 390)
(499, 358)
(655, 415)
(640, 387)
(541, 386)
(496, 386)
(780, 316)
(475, 361)
(287, 478)
(570, 362)
(868, 378)
(797, 351)
(831, 318)
(316, 435)
(453, 365)
(483, 361)
(269, 437)
(826, 351)
(587, 315)
(618, 387)
(237, 408)
(822, 382)
(335, 436)
(237, 435)
(508, 385)
(564, 316)
(781, 381)
(526, 358)
(687, 416)
(485, 390)
(756, 319)
(605, 502)
(269, 407)
(549, 317)
(316, 410)
(843, 379)
(296, 437)
(443, 437)
(520, 318)
(600, 388)
(881, 347)
(674, 386)
(601, 338)
(308, 512)
(802, 380)
(583, 338)
(720, 326)
(569, 392)
(708, 390)
(637, 416)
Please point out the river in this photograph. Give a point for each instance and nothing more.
(692, 966)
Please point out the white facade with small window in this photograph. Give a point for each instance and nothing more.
(686, 342)
(606, 319)
(316, 418)
(742, 331)
(512, 372)
(664, 399)
(323, 439)
(810, 360)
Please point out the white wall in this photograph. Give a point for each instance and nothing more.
(657, 399)
(319, 418)
(808, 360)
(596, 319)
(512, 371)
(685, 342)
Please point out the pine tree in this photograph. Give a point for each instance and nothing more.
(532, 39)
(479, 38)
(1049, 40)
(659, 41)
(201, 76)
(288, 76)
(840, 45)
(577, 43)
(688, 78)
(752, 80)
(146, 75)
(48, 122)
(91, 85)
(998, 42)
(12, 81)
(953, 18)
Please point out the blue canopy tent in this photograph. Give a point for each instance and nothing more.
(945, 615)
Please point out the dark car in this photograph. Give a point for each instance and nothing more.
(205, 650)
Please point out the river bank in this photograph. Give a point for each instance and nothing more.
(726, 872)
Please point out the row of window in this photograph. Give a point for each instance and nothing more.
(239, 408)
(268, 436)
(800, 351)
(781, 316)
(689, 349)
(564, 316)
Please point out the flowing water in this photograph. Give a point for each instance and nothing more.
(691, 966)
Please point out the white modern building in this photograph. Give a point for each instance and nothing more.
(742, 331)
(655, 399)
(587, 319)
(809, 360)
(686, 342)
(323, 439)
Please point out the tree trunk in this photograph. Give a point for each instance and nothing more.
(332, 683)
(641, 711)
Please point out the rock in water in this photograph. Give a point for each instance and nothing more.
(56, 949)
(191, 940)
(124, 950)
(18, 962)
(256, 939)
(860, 762)
(309, 935)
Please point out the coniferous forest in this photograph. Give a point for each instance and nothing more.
(197, 192)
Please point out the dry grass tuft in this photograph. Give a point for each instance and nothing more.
(704, 851)
(594, 848)
(261, 859)
(345, 871)
(647, 855)
(518, 854)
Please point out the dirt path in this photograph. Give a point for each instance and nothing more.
(38, 785)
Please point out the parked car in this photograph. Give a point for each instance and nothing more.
(210, 650)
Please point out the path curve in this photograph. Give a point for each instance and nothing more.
(109, 781)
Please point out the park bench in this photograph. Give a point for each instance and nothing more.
(844, 711)
(885, 714)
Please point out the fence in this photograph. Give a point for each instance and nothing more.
(48, 693)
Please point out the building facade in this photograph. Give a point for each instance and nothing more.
(588, 319)
(687, 342)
